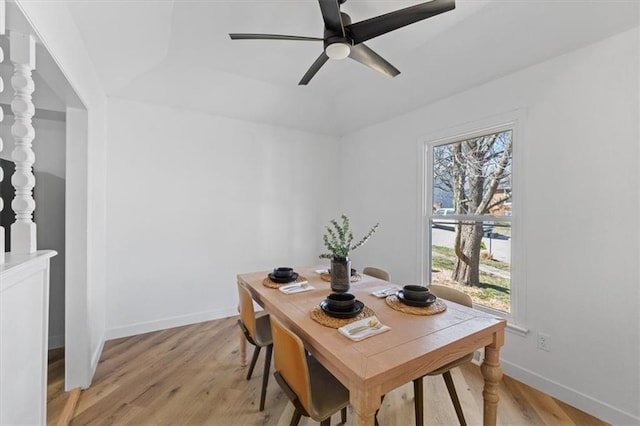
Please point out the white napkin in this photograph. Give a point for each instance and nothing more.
(296, 287)
(386, 291)
(321, 271)
(362, 329)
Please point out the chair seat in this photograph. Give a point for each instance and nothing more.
(452, 364)
(263, 331)
(328, 395)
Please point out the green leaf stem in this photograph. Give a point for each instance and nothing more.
(338, 239)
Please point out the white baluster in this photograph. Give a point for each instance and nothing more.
(2, 26)
(22, 54)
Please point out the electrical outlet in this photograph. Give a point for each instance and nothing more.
(544, 342)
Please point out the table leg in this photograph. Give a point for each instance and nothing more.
(365, 403)
(492, 374)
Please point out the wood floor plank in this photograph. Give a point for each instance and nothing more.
(56, 397)
(192, 376)
(69, 407)
(579, 417)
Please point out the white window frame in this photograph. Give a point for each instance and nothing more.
(510, 121)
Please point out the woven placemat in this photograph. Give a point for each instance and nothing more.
(435, 308)
(327, 277)
(321, 317)
(272, 284)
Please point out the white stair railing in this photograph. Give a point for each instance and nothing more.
(22, 54)
(2, 30)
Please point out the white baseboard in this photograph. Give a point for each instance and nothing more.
(56, 342)
(599, 409)
(162, 324)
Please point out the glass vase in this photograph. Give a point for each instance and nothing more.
(340, 274)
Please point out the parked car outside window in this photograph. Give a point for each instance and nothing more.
(444, 223)
(444, 211)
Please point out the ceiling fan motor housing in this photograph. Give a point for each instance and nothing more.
(336, 45)
(332, 38)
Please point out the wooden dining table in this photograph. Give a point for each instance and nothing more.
(414, 346)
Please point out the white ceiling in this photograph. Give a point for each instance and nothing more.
(178, 53)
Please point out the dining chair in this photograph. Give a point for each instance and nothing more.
(257, 330)
(377, 272)
(313, 390)
(461, 298)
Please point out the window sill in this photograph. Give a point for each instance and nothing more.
(511, 327)
(516, 329)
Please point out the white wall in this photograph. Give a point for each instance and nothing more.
(195, 199)
(578, 215)
(49, 194)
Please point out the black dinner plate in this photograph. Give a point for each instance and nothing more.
(358, 306)
(417, 303)
(282, 280)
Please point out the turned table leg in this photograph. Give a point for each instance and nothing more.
(365, 403)
(492, 374)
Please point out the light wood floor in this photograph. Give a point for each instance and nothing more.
(191, 376)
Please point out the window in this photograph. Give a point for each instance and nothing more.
(468, 216)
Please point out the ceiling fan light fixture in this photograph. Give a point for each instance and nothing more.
(338, 50)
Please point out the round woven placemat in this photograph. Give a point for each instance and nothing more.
(435, 308)
(272, 284)
(327, 277)
(320, 316)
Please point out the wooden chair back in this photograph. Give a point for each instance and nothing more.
(247, 314)
(451, 294)
(377, 272)
(290, 361)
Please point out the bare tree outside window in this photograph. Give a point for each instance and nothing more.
(472, 179)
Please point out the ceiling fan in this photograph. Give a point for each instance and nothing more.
(345, 39)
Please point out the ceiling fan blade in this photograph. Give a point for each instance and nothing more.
(240, 36)
(374, 27)
(331, 14)
(315, 67)
(368, 57)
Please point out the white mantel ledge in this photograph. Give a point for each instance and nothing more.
(17, 266)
